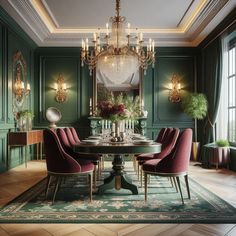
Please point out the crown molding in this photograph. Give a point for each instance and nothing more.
(37, 20)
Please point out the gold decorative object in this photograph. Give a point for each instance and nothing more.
(175, 87)
(61, 89)
(19, 72)
(122, 53)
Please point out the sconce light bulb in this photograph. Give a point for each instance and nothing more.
(28, 87)
(55, 86)
(179, 86)
(64, 86)
(22, 85)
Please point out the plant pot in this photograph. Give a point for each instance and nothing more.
(195, 151)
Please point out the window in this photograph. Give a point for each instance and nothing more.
(231, 94)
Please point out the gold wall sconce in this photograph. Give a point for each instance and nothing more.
(61, 89)
(175, 88)
(19, 88)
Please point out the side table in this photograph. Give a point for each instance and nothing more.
(215, 155)
(23, 139)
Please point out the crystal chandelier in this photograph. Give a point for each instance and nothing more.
(117, 59)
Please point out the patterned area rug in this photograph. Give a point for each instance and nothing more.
(163, 205)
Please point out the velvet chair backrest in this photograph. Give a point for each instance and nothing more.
(166, 134)
(168, 143)
(64, 141)
(160, 136)
(70, 136)
(178, 160)
(56, 159)
(75, 135)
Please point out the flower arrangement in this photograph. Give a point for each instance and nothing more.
(119, 108)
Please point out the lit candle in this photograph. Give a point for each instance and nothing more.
(87, 47)
(141, 36)
(107, 29)
(113, 128)
(153, 45)
(128, 28)
(83, 44)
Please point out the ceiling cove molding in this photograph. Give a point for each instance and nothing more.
(45, 5)
(27, 12)
(206, 16)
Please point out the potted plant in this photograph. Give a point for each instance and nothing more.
(24, 119)
(195, 105)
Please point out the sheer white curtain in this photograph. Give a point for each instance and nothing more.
(222, 118)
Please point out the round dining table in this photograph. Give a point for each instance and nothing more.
(118, 178)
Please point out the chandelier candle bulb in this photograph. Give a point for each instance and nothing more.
(141, 36)
(128, 28)
(107, 29)
(153, 45)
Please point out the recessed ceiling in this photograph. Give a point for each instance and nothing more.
(169, 22)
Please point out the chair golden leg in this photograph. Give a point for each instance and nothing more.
(47, 186)
(56, 189)
(141, 176)
(178, 182)
(187, 185)
(145, 186)
(138, 171)
(90, 186)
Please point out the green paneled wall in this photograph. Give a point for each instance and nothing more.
(162, 112)
(49, 63)
(12, 39)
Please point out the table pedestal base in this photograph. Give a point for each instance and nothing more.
(118, 179)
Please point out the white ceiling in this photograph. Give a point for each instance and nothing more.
(169, 22)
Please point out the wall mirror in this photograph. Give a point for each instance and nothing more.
(20, 87)
(102, 86)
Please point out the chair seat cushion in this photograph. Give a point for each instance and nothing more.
(150, 165)
(144, 157)
(86, 165)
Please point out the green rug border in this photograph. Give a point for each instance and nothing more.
(145, 221)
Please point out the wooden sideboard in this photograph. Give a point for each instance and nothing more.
(24, 139)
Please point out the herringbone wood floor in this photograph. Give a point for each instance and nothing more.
(12, 183)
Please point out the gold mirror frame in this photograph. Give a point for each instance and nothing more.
(19, 74)
(94, 100)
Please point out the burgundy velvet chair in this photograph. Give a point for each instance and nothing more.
(159, 139)
(75, 135)
(168, 143)
(67, 140)
(61, 165)
(175, 164)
